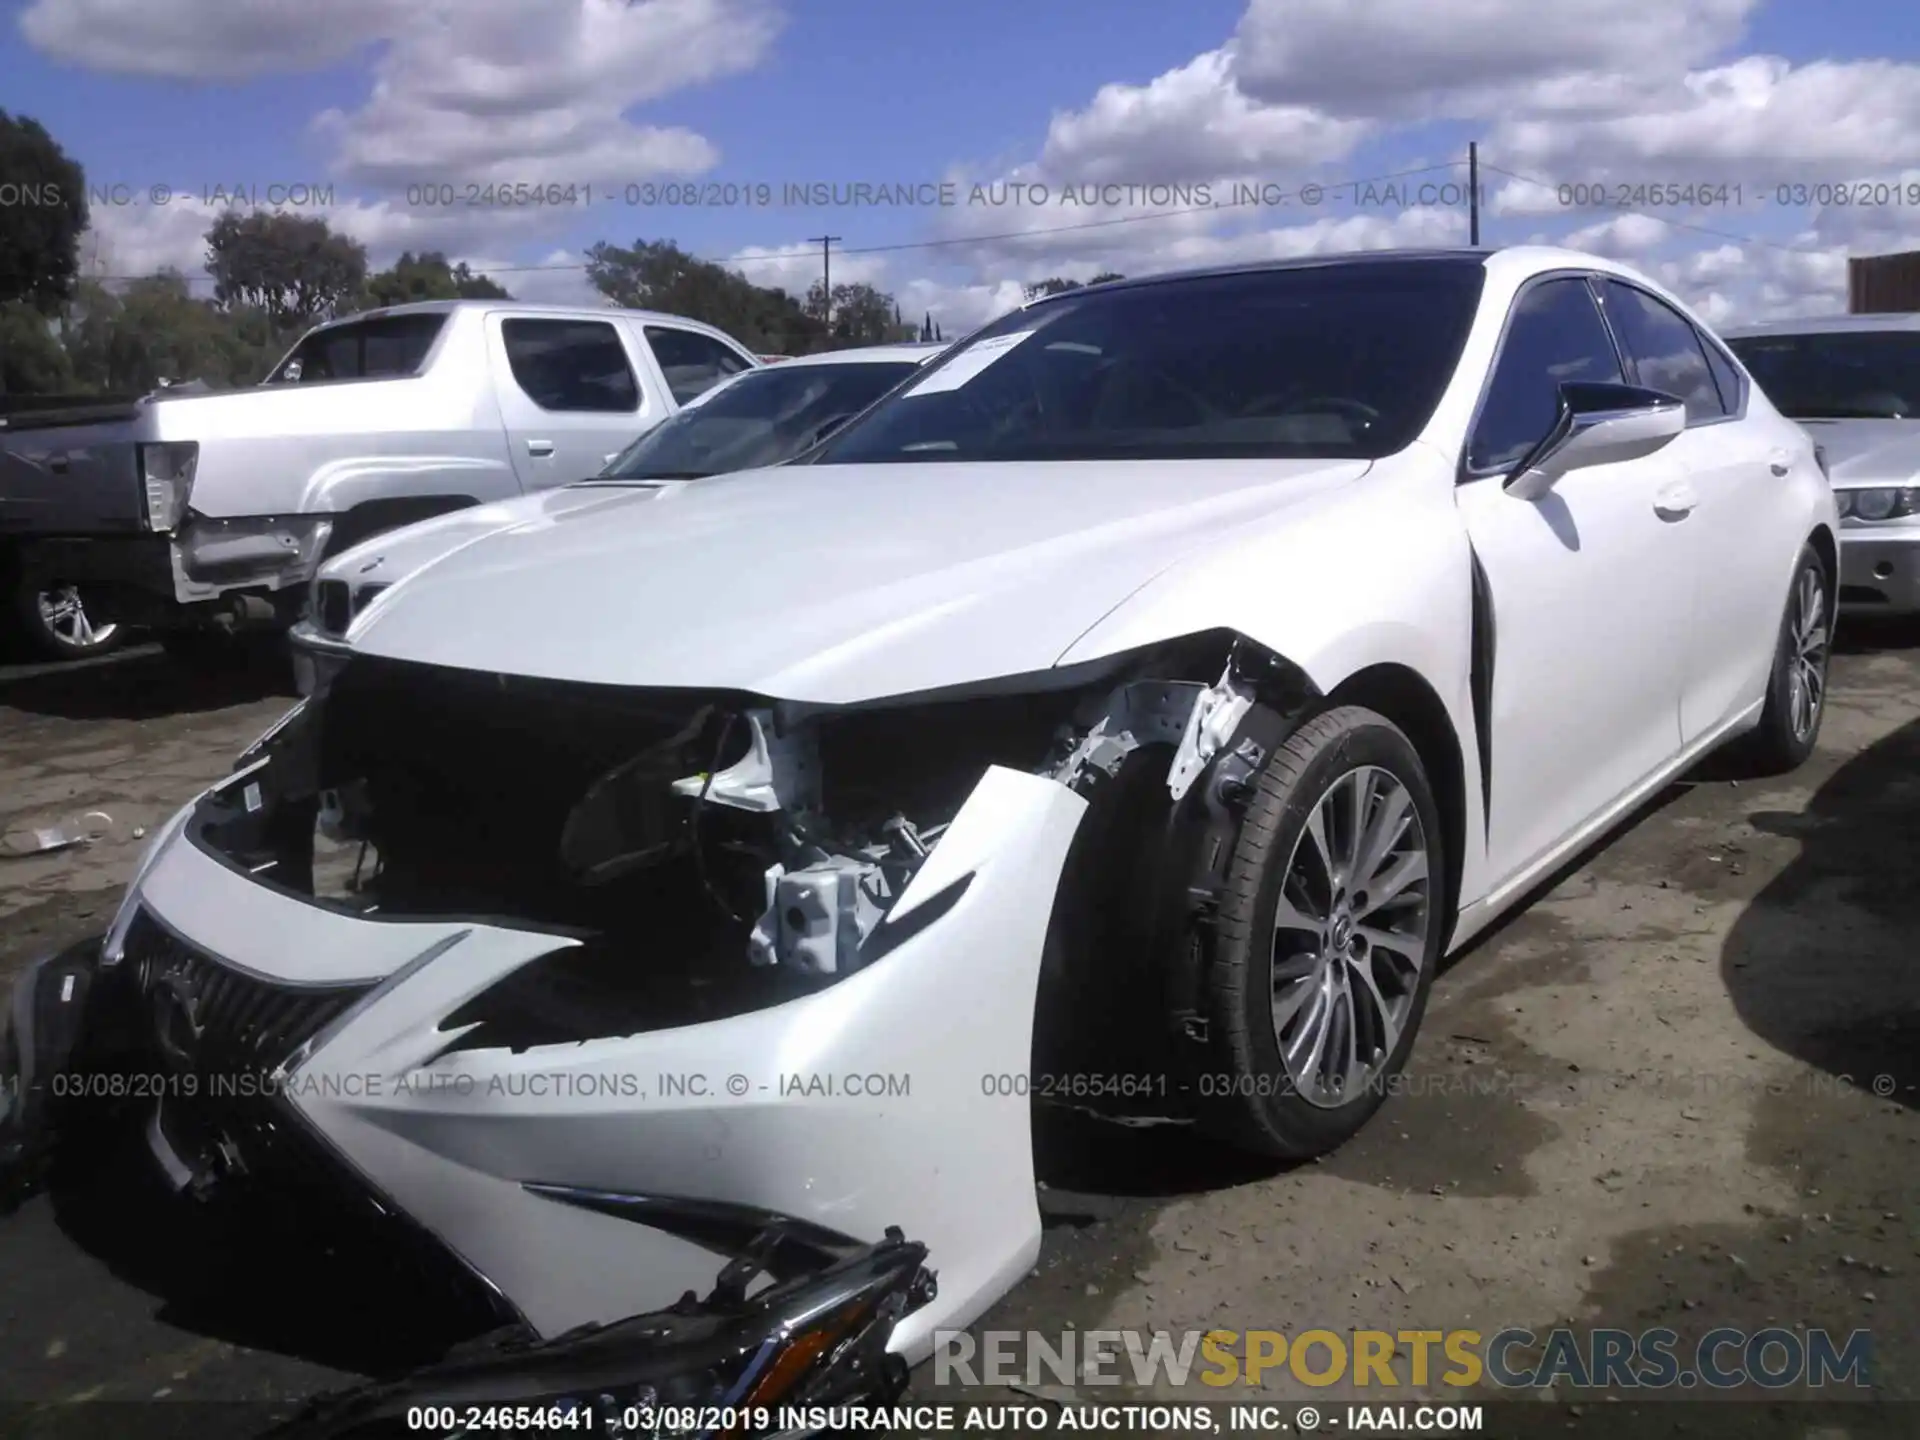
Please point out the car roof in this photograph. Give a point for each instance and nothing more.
(519, 307)
(1516, 261)
(1827, 325)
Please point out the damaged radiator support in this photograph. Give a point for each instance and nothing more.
(822, 900)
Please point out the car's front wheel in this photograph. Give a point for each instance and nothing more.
(1327, 937)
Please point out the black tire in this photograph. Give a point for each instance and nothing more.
(1787, 733)
(1251, 1100)
(60, 629)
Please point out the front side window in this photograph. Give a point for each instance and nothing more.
(1555, 336)
(571, 365)
(1665, 350)
(692, 363)
(388, 348)
(1344, 360)
(1869, 374)
(759, 419)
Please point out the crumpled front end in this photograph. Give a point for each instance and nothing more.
(589, 987)
(579, 989)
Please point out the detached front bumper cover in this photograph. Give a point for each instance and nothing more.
(817, 1340)
(62, 1022)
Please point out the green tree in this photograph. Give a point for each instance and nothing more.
(155, 329)
(659, 275)
(32, 359)
(861, 315)
(1054, 285)
(45, 215)
(429, 277)
(294, 267)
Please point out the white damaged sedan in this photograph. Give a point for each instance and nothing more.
(1175, 671)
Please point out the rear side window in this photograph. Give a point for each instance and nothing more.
(571, 365)
(1725, 375)
(1665, 350)
(693, 363)
(1555, 336)
(389, 348)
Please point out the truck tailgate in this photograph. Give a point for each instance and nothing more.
(71, 472)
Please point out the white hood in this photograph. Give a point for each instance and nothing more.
(1868, 452)
(825, 583)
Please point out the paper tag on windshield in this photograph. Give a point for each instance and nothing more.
(968, 364)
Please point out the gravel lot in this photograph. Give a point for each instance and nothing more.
(1625, 1108)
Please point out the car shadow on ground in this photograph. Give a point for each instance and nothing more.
(1845, 999)
(145, 684)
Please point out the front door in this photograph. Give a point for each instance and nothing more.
(1589, 587)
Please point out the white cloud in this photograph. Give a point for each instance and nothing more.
(1379, 57)
(1754, 123)
(207, 39)
(465, 92)
(533, 92)
(1621, 238)
(1191, 123)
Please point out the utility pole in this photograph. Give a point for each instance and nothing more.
(826, 244)
(1473, 192)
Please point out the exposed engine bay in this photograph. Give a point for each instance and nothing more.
(713, 854)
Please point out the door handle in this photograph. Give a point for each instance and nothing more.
(1780, 462)
(539, 447)
(1675, 502)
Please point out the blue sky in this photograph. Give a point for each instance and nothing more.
(1732, 99)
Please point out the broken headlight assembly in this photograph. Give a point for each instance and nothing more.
(796, 1357)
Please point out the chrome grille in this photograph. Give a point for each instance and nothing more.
(210, 1017)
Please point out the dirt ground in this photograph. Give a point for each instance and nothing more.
(1678, 1089)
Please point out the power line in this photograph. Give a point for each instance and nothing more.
(1676, 224)
(1473, 163)
(1261, 201)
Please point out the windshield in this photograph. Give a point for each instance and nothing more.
(387, 348)
(1343, 360)
(1868, 374)
(761, 418)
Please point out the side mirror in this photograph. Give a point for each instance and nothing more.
(1598, 425)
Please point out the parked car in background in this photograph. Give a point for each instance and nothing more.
(764, 416)
(209, 512)
(1215, 651)
(1854, 382)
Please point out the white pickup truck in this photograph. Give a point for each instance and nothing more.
(207, 512)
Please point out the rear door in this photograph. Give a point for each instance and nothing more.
(692, 362)
(570, 394)
(1737, 512)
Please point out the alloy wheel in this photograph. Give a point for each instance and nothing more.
(64, 614)
(1808, 635)
(1350, 935)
